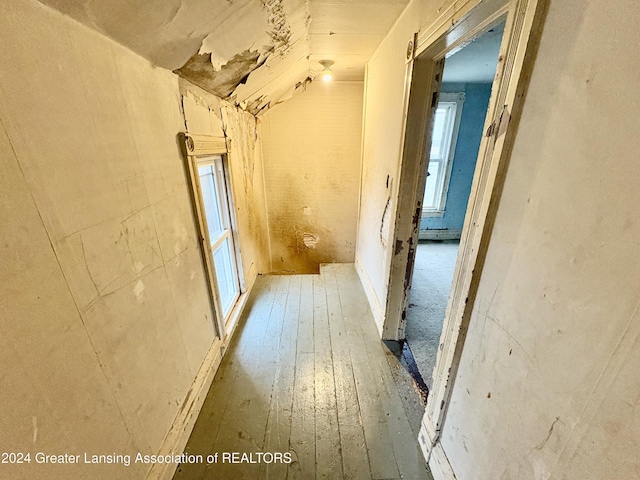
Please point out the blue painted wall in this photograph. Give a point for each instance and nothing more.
(474, 111)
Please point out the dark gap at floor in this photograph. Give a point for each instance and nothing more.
(402, 351)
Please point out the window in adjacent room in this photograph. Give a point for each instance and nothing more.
(443, 145)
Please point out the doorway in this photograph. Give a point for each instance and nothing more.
(425, 59)
(457, 132)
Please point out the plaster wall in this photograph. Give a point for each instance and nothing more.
(104, 311)
(311, 147)
(474, 111)
(548, 381)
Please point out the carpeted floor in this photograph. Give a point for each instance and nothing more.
(432, 276)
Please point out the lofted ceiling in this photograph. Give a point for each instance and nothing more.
(254, 53)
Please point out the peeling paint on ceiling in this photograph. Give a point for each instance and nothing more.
(254, 53)
(201, 72)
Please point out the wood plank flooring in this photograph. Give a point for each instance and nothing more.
(306, 374)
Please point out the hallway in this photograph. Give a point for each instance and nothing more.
(306, 374)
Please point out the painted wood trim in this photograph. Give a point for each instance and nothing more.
(516, 60)
(233, 220)
(458, 25)
(180, 431)
(234, 317)
(199, 145)
(459, 98)
(440, 234)
(440, 25)
(439, 465)
(421, 89)
(205, 241)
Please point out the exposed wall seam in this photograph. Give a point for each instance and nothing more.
(264, 192)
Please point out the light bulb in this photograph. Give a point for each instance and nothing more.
(327, 74)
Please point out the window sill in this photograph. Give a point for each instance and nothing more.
(432, 213)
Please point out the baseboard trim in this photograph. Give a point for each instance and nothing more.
(432, 450)
(440, 234)
(374, 302)
(176, 440)
(235, 318)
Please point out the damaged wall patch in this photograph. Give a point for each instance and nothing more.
(310, 240)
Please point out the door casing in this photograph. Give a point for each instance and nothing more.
(460, 23)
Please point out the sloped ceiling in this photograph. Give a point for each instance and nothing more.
(254, 53)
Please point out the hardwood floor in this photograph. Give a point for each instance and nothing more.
(306, 375)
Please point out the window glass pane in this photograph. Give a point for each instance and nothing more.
(211, 205)
(439, 133)
(431, 189)
(443, 125)
(224, 273)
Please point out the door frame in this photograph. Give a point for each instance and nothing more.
(459, 24)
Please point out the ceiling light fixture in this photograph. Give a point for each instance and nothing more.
(327, 74)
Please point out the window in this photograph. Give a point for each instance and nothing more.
(218, 220)
(445, 131)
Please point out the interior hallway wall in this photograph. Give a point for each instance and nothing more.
(474, 111)
(104, 310)
(548, 383)
(311, 146)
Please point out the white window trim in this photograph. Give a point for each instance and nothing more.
(225, 202)
(458, 99)
(195, 148)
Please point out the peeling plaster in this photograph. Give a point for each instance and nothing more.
(310, 240)
(242, 132)
(219, 44)
(280, 32)
(384, 223)
(255, 106)
(215, 70)
(200, 71)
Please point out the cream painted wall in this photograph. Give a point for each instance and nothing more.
(548, 385)
(311, 146)
(381, 151)
(104, 311)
